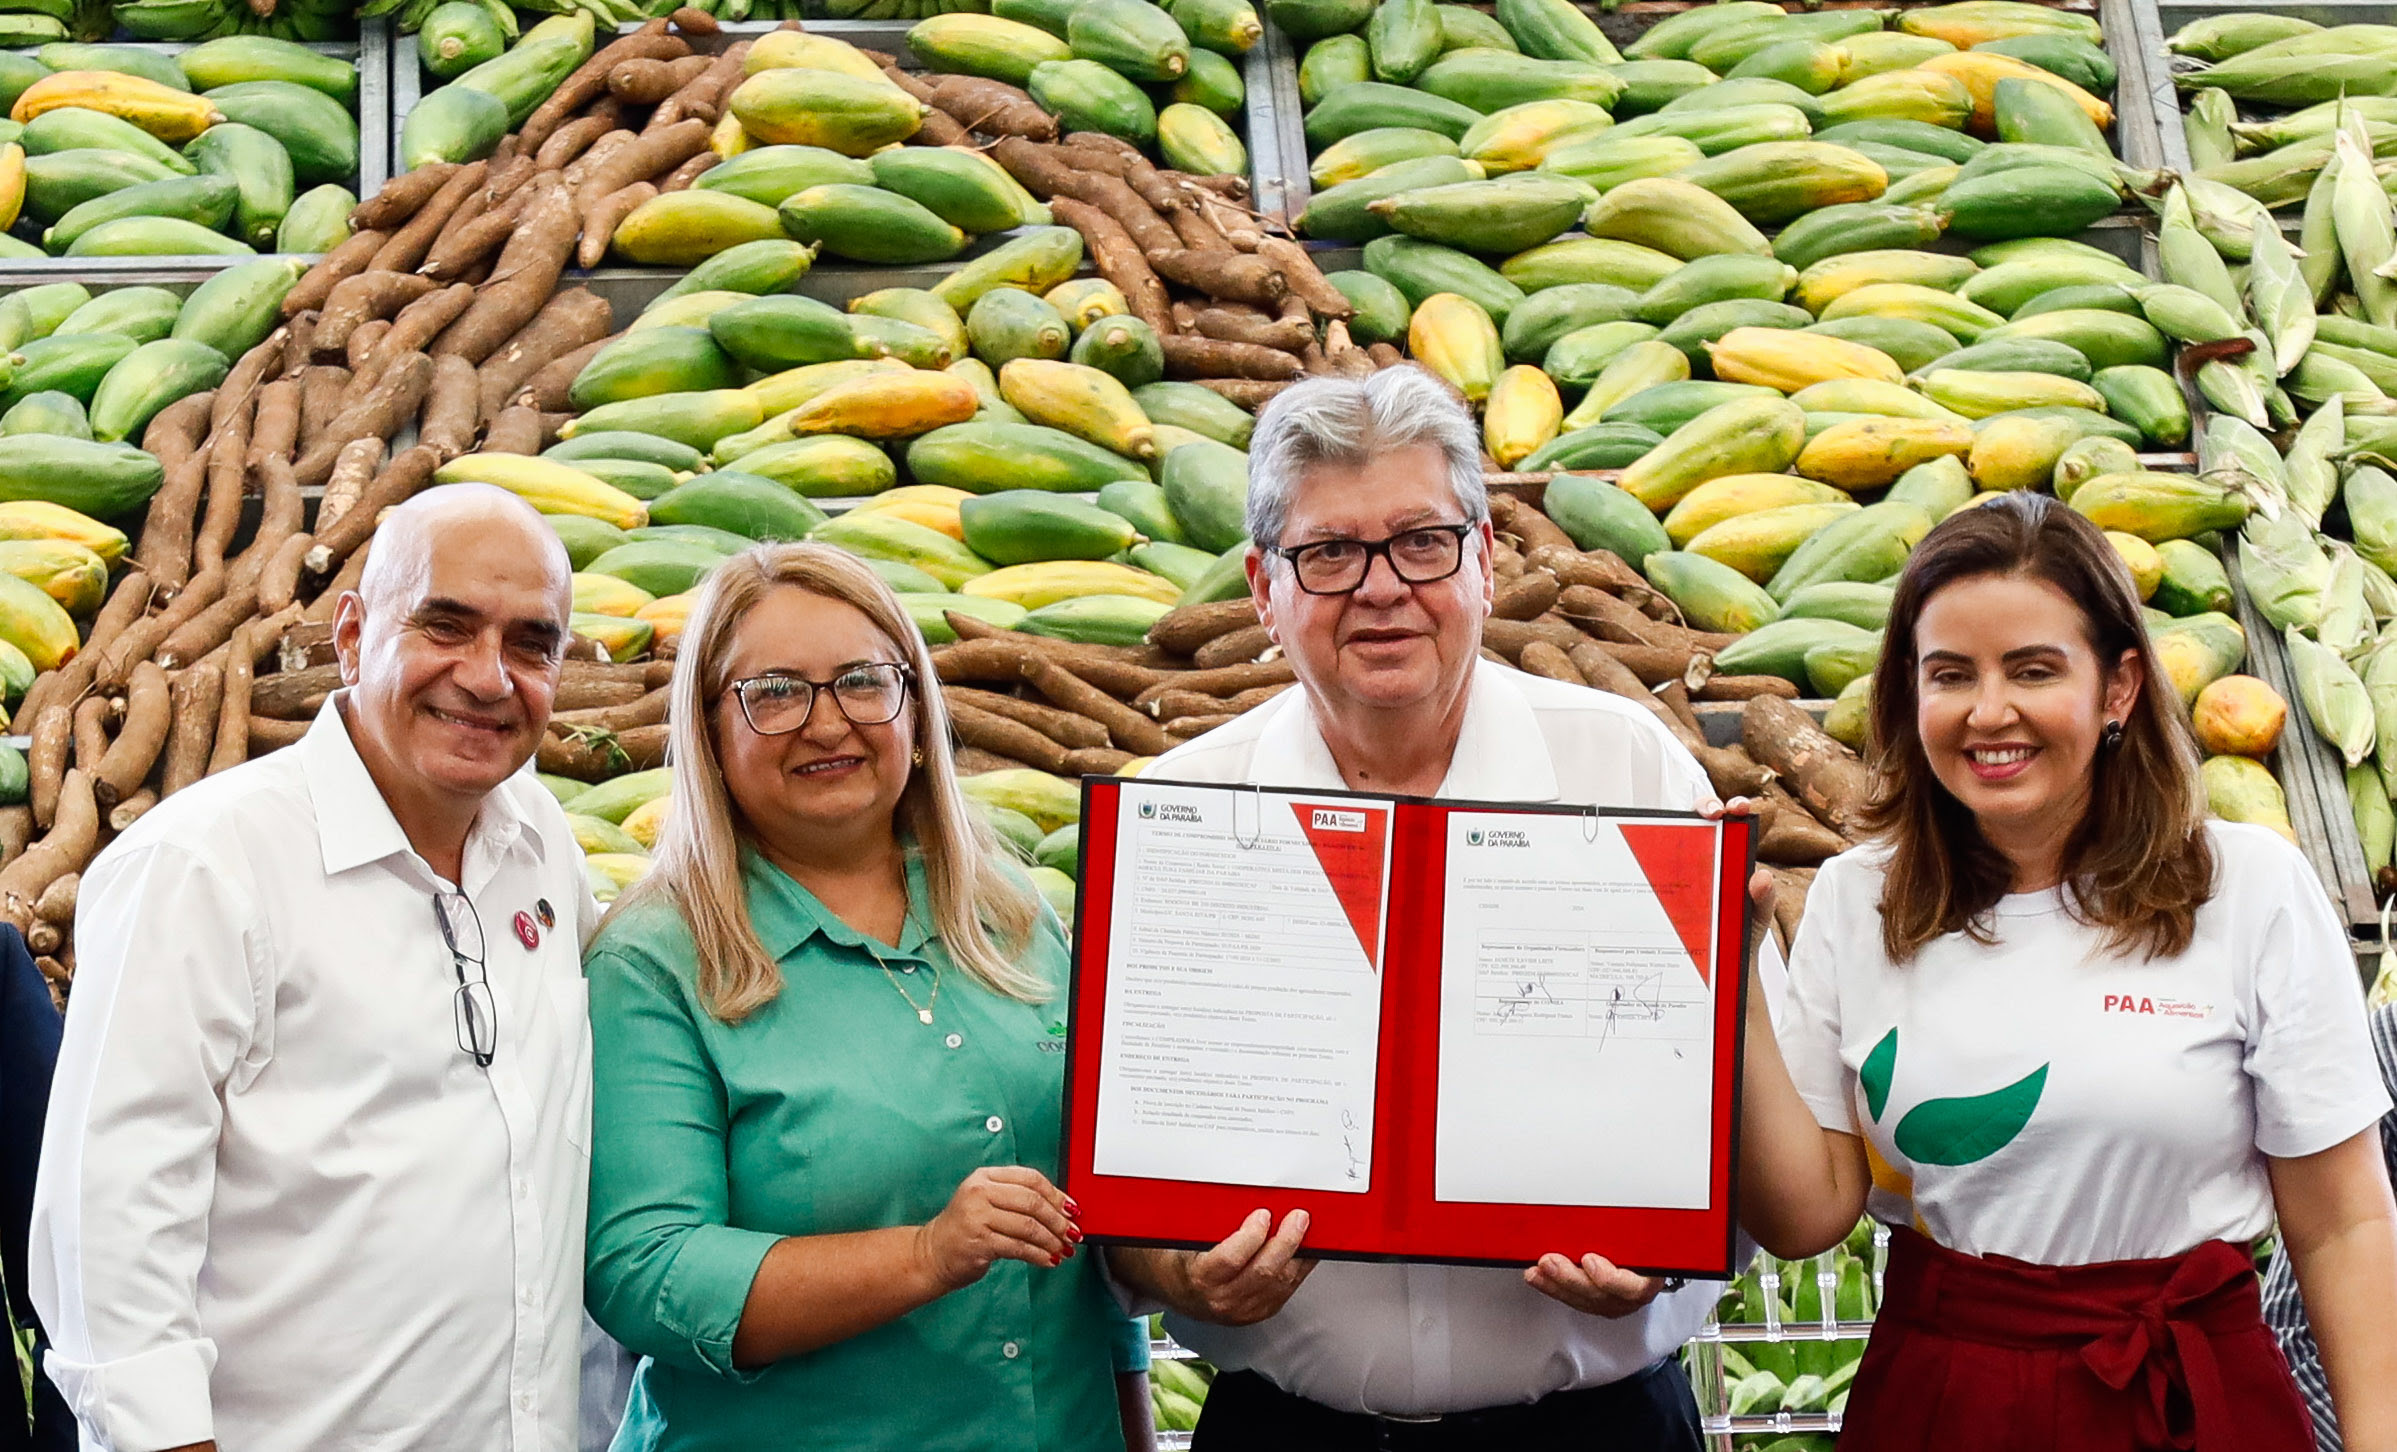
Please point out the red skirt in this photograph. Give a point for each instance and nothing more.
(1987, 1354)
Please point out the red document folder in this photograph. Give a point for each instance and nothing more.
(1400, 923)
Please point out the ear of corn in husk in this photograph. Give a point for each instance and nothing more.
(2219, 37)
(2318, 236)
(2375, 820)
(2278, 178)
(2312, 481)
(2189, 260)
(2380, 592)
(2345, 60)
(2335, 699)
(2371, 496)
(2379, 674)
(2319, 378)
(2232, 443)
(2226, 216)
(2187, 315)
(2279, 299)
(2234, 390)
(2367, 232)
(2346, 623)
(2312, 122)
(2207, 125)
(2285, 571)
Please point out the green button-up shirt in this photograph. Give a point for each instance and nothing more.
(831, 1109)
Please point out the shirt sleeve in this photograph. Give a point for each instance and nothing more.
(2309, 1050)
(664, 1273)
(1128, 1349)
(1808, 1025)
(167, 1012)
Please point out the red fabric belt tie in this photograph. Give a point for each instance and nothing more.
(2156, 1355)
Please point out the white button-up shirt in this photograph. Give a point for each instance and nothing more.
(278, 1205)
(1416, 1339)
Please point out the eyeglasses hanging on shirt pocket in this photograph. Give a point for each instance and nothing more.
(476, 1012)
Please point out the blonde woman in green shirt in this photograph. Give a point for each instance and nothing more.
(828, 1034)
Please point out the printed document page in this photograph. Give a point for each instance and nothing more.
(1577, 1011)
(1244, 988)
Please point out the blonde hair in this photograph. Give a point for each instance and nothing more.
(983, 916)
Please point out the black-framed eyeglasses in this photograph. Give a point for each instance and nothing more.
(1424, 555)
(779, 703)
(476, 1012)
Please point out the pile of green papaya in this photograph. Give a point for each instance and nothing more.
(235, 146)
(1865, 128)
(495, 78)
(1001, 444)
(1165, 77)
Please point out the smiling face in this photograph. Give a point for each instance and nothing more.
(1387, 645)
(832, 777)
(451, 646)
(2011, 701)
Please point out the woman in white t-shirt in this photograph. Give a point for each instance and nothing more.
(2077, 1043)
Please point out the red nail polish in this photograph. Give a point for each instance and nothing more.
(1073, 1209)
(1056, 1261)
(1074, 1234)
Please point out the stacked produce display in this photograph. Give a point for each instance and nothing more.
(1746, 300)
(2277, 248)
(234, 146)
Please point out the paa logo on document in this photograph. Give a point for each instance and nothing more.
(1148, 811)
(1328, 820)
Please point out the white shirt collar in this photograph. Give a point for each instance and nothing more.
(354, 823)
(1501, 755)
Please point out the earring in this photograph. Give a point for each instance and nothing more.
(2110, 736)
(919, 755)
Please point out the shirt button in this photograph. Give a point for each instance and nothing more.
(907, 968)
(994, 1124)
(1011, 1351)
(524, 1401)
(955, 1041)
(524, 1189)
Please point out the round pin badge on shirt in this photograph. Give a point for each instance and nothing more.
(542, 911)
(526, 932)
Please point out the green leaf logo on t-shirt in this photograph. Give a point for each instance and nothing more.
(1874, 1075)
(1961, 1131)
(1950, 1131)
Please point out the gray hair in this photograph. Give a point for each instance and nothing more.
(1351, 421)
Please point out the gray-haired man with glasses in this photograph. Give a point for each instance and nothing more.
(1372, 570)
(318, 1150)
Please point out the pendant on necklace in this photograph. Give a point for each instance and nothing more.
(924, 1015)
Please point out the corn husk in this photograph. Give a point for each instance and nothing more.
(2346, 623)
(2367, 230)
(2312, 481)
(2208, 124)
(2371, 495)
(2189, 260)
(2234, 390)
(2335, 698)
(2345, 60)
(2231, 443)
(2379, 676)
(2318, 236)
(2219, 37)
(2284, 570)
(2313, 121)
(2187, 315)
(2318, 378)
(2380, 592)
(2279, 299)
(2226, 216)
(2375, 820)
(2376, 366)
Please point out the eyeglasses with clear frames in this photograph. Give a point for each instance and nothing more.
(476, 1011)
(868, 695)
(1424, 555)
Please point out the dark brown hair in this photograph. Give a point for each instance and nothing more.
(2139, 864)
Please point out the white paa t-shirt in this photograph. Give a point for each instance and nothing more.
(2043, 1099)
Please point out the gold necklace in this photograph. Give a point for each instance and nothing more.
(924, 1009)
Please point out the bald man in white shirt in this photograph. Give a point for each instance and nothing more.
(317, 1154)
(1371, 570)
